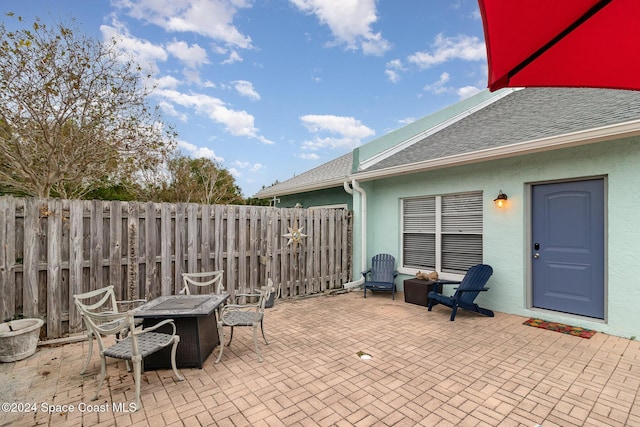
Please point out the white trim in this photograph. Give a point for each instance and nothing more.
(364, 165)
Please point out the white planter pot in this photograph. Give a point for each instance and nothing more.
(19, 338)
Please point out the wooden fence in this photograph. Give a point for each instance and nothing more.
(52, 249)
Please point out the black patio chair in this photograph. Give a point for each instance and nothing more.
(470, 286)
(382, 275)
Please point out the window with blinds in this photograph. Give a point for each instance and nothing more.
(442, 233)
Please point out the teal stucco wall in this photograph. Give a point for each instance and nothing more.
(505, 241)
(325, 197)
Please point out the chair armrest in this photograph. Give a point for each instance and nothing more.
(249, 295)
(472, 290)
(158, 325)
(141, 331)
(234, 306)
(447, 282)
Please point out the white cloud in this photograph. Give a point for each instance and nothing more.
(237, 123)
(193, 56)
(192, 76)
(145, 53)
(198, 152)
(393, 70)
(308, 156)
(407, 120)
(170, 109)
(444, 49)
(167, 82)
(350, 22)
(251, 168)
(210, 18)
(233, 57)
(467, 91)
(246, 89)
(439, 86)
(344, 132)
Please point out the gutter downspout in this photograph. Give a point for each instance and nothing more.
(363, 230)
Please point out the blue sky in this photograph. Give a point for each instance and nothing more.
(273, 88)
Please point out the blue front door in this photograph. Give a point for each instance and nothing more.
(568, 247)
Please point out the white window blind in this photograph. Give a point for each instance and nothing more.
(442, 233)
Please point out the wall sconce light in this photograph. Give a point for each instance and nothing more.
(501, 200)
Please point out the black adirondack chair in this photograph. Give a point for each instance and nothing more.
(470, 286)
(382, 275)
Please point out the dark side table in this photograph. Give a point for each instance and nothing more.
(416, 291)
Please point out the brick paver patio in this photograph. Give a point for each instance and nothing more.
(425, 370)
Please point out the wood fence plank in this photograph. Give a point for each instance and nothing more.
(31, 258)
(165, 250)
(243, 284)
(151, 290)
(218, 238)
(267, 245)
(76, 260)
(308, 226)
(192, 238)
(317, 251)
(205, 237)
(332, 248)
(284, 251)
(115, 247)
(230, 268)
(133, 251)
(54, 259)
(179, 246)
(7, 257)
(95, 269)
(254, 250)
(323, 245)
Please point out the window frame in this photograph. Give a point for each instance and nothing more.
(439, 232)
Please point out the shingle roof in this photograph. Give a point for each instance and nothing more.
(523, 116)
(330, 174)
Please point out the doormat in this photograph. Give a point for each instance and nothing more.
(559, 327)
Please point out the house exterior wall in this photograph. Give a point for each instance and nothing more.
(326, 197)
(505, 240)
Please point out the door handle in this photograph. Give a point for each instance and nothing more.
(536, 255)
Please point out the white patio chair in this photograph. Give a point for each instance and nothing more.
(138, 343)
(101, 300)
(245, 313)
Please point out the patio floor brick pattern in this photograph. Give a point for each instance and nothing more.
(425, 370)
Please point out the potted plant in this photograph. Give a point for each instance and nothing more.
(19, 338)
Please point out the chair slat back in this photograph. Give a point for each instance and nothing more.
(103, 299)
(109, 323)
(382, 268)
(203, 279)
(475, 279)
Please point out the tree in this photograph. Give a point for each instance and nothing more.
(72, 112)
(198, 181)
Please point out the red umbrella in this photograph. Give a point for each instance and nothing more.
(562, 43)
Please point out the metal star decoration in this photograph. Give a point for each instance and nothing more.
(294, 235)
